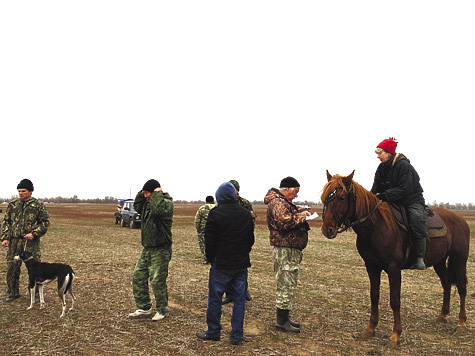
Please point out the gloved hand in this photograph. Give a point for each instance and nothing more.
(381, 196)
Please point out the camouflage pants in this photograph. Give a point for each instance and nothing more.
(201, 242)
(152, 264)
(15, 246)
(286, 269)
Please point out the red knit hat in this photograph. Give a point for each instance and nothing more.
(389, 145)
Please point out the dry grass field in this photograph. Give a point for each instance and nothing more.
(332, 301)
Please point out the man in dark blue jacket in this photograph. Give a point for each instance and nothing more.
(397, 182)
(229, 237)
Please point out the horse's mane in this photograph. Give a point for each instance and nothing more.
(365, 200)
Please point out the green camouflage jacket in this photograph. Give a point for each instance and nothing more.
(157, 219)
(247, 204)
(201, 217)
(22, 218)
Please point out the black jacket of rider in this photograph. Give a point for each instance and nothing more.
(397, 182)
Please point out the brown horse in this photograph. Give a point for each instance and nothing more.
(381, 244)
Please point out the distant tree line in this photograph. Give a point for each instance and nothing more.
(456, 206)
(73, 200)
(112, 200)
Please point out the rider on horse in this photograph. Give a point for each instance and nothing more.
(397, 182)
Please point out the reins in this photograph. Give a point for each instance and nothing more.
(367, 216)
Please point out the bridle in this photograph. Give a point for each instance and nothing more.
(346, 221)
(343, 222)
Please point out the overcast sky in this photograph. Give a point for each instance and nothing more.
(96, 97)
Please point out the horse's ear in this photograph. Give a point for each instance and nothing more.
(348, 179)
(329, 176)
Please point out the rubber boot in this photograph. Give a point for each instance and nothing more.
(421, 251)
(283, 323)
(295, 324)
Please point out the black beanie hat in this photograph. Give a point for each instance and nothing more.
(150, 185)
(25, 184)
(289, 182)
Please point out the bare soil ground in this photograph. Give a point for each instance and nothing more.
(332, 301)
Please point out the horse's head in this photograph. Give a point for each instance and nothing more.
(339, 202)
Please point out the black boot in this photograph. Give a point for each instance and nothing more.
(421, 251)
(283, 322)
(295, 324)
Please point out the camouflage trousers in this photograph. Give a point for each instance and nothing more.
(152, 265)
(201, 242)
(286, 269)
(15, 246)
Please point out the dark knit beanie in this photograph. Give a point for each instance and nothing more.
(210, 199)
(235, 183)
(289, 182)
(25, 184)
(150, 185)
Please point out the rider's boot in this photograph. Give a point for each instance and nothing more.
(421, 251)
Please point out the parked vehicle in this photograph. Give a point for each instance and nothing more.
(120, 206)
(129, 217)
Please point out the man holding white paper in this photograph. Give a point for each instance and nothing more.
(288, 233)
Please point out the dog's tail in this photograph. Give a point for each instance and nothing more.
(68, 281)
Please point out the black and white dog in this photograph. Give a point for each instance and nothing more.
(40, 273)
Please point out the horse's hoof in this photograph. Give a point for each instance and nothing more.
(394, 340)
(363, 335)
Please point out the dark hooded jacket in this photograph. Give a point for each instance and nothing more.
(229, 231)
(397, 182)
(288, 226)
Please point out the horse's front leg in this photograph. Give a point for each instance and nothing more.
(394, 275)
(374, 274)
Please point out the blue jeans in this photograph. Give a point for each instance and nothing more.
(220, 280)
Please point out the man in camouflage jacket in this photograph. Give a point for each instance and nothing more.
(200, 222)
(288, 230)
(156, 211)
(26, 220)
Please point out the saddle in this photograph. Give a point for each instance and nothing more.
(435, 228)
(435, 224)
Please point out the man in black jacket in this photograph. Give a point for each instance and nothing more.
(397, 182)
(229, 237)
